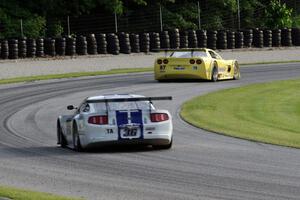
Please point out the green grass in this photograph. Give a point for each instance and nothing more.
(19, 194)
(270, 62)
(74, 75)
(268, 112)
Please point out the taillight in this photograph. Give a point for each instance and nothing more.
(159, 117)
(198, 61)
(159, 61)
(100, 120)
(192, 61)
(166, 61)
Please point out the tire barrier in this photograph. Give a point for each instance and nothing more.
(135, 42)
(50, 46)
(22, 46)
(286, 37)
(164, 40)
(60, 46)
(145, 42)
(40, 47)
(81, 45)
(239, 40)
(113, 46)
(267, 38)
(248, 37)
(31, 47)
(91, 44)
(296, 36)
(201, 38)
(154, 42)
(13, 49)
(212, 39)
(70, 46)
(230, 39)
(258, 38)
(184, 39)
(4, 49)
(124, 43)
(101, 43)
(222, 39)
(192, 38)
(276, 38)
(174, 38)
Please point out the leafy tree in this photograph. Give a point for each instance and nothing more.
(278, 15)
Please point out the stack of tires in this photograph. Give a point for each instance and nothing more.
(286, 37)
(239, 40)
(201, 38)
(60, 46)
(154, 42)
(91, 44)
(267, 38)
(296, 36)
(212, 39)
(31, 47)
(101, 43)
(4, 49)
(230, 39)
(258, 38)
(145, 42)
(174, 38)
(192, 38)
(124, 43)
(165, 40)
(81, 45)
(276, 38)
(22, 48)
(248, 37)
(184, 39)
(50, 47)
(40, 47)
(222, 39)
(135, 43)
(71, 46)
(13, 49)
(113, 46)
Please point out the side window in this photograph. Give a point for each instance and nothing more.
(84, 107)
(213, 55)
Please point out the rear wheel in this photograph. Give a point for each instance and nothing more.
(60, 137)
(214, 75)
(76, 139)
(237, 74)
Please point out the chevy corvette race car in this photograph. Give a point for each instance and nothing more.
(115, 119)
(195, 64)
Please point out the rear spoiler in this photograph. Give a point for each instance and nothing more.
(183, 49)
(130, 99)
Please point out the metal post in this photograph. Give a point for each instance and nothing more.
(116, 23)
(199, 19)
(238, 12)
(68, 22)
(161, 19)
(21, 28)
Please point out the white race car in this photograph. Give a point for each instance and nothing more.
(115, 119)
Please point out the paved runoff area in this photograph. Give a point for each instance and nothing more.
(61, 65)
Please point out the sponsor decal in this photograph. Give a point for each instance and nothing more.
(109, 131)
(179, 68)
(195, 68)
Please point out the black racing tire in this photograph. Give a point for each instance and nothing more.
(214, 74)
(76, 139)
(60, 137)
(237, 73)
(165, 146)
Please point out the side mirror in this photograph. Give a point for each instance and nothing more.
(70, 107)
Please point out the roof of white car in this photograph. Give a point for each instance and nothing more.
(114, 96)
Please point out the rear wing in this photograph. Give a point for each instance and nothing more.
(183, 49)
(130, 99)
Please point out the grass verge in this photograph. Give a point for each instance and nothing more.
(265, 112)
(73, 75)
(19, 194)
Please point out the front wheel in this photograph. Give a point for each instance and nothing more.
(214, 75)
(237, 73)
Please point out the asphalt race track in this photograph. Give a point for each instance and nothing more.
(201, 165)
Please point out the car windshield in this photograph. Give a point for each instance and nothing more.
(188, 54)
(132, 105)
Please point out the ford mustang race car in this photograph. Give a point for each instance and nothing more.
(195, 64)
(115, 119)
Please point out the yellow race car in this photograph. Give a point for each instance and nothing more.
(195, 64)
